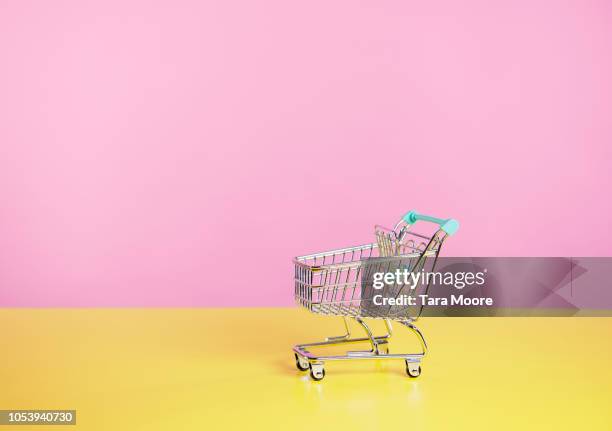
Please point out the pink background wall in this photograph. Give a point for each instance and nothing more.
(181, 152)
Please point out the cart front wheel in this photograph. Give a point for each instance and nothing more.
(413, 369)
(301, 363)
(317, 372)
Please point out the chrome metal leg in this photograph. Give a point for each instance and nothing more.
(418, 333)
(389, 328)
(346, 335)
(373, 341)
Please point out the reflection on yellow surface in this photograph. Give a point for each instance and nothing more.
(175, 369)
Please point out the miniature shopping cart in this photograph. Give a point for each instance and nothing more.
(343, 283)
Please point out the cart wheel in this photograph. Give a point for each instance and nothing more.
(317, 372)
(301, 363)
(413, 369)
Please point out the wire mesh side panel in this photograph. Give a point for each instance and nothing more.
(402, 242)
(325, 283)
(303, 281)
(348, 289)
(340, 282)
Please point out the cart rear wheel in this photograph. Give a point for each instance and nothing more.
(301, 363)
(413, 369)
(317, 372)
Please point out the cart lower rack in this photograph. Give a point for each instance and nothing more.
(346, 283)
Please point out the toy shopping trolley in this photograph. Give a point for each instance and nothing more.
(371, 281)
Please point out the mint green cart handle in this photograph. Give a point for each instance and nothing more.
(450, 226)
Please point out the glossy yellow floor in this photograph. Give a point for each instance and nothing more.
(209, 369)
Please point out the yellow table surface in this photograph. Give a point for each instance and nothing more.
(208, 369)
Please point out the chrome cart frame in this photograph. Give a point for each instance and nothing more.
(338, 282)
